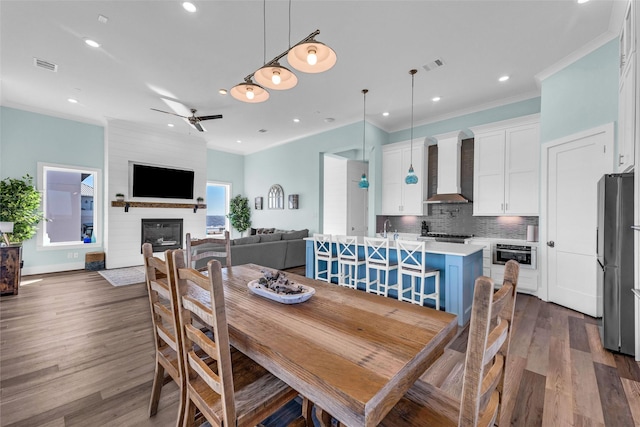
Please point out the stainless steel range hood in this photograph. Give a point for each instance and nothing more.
(449, 146)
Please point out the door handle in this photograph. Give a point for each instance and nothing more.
(635, 227)
(551, 243)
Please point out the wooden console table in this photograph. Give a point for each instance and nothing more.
(10, 257)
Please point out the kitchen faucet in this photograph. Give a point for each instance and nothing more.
(384, 227)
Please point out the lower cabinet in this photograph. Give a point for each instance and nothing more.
(527, 279)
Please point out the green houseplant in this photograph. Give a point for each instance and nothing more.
(239, 213)
(20, 204)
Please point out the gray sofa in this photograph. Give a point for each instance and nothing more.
(278, 250)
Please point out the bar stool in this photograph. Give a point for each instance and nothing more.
(377, 258)
(349, 261)
(411, 262)
(324, 253)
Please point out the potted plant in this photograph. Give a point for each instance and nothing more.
(20, 205)
(200, 200)
(239, 213)
(120, 197)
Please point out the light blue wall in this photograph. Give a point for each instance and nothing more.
(28, 138)
(581, 96)
(226, 167)
(464, 122)
(297, 167)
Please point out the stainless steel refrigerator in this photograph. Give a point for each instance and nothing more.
(615, 261)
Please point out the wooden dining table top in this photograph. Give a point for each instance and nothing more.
(352, 353)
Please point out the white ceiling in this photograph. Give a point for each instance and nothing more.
(155, 50)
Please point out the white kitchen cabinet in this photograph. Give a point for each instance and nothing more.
(506, 167)
(399, 198)
(627, 99)
(527, 279)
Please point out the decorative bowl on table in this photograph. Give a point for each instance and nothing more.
(276, 287)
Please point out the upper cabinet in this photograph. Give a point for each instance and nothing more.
(627, 100)
(399, 198)
(506, 167)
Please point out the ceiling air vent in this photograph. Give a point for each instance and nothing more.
(41, 63)
(438, 62)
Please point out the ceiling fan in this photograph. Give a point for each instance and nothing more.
(193, 119)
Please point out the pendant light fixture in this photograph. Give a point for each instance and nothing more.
(411, 177)
(311, 56)
(273, 75)
(364, 183)
(248, 91)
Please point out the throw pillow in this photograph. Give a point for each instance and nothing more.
(273, 237)
(293, 235)
(246, 240)
(253, 231)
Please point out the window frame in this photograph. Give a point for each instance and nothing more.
(97, 206)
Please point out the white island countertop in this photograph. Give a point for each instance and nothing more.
(441, 248)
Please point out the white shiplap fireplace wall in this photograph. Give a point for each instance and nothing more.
(127, 142)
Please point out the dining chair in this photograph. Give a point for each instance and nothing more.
(378, 258)
(214, 252)
(235, 391)
(349, 261)
(326, 255)
(164, 316)
(411, 263)
(485, 364)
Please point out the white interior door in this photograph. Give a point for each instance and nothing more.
(573, 167)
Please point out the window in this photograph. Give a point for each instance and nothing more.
(70, 202)
(218, 195)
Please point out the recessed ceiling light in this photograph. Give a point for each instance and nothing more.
(582, 1)
(92, 43)
(239, 142)
(503, 79)
(329, 120)
(386, 113)
(296, 120)
(72, 100)
(189, 7)
(435, 99)
(170, 125)
(222, 91)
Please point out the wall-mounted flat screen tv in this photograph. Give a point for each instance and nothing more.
(161, 182)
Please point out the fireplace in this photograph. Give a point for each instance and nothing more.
(163, 233)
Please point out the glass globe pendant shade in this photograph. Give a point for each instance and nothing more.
(311, 57)
(411, 177)
(276, 77)
(364, 183)
(249, 92)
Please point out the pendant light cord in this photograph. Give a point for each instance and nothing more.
(264, 32)
(364, 115)
(413, 73)
(289, 24)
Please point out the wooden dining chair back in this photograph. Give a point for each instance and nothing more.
(216, 251)
(412, 264)
(485, 366)
(164, 316)
(235, 391)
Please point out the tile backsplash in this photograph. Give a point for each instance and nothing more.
(458, 218)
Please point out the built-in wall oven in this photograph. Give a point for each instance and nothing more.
(526, 255)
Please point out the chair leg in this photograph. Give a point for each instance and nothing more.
(156, 389)
(437, 290)
(189, 413)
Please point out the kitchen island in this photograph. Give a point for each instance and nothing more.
(459, 266)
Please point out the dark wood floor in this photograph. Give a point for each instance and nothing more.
(76, 351)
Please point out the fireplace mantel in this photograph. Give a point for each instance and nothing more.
(122, 204)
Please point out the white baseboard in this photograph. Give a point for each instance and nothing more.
(55, 268)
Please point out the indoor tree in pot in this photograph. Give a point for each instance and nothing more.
(19, 204)
(239, 213)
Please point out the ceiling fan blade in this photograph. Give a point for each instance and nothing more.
(217, 116)
(197, 126)
(167, 112)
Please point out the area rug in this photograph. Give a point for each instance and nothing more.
(124, 276)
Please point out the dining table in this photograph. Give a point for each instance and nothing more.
(351, 353)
